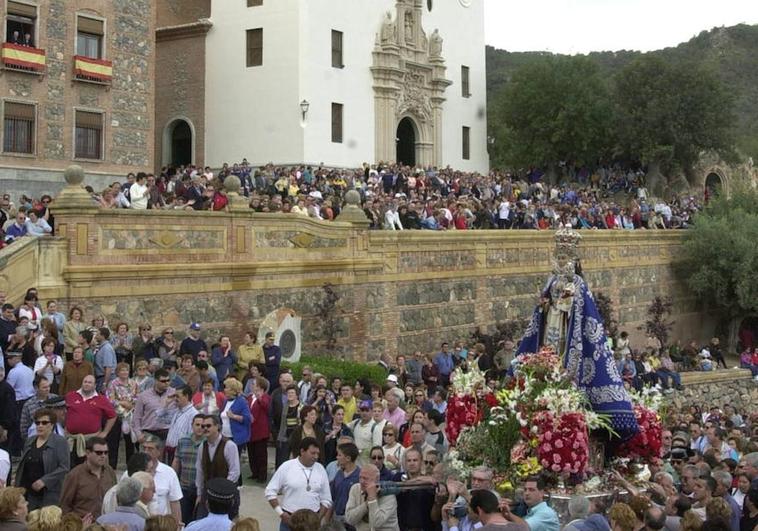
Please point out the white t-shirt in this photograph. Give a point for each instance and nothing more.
(5, 466)
(300, 487)
(138, 194)
(41, 363)
(226, 427)
(167, 489)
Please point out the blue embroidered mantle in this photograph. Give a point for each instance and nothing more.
(587, 358)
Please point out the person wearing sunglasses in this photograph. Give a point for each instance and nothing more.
(85, 485)
(44, 462)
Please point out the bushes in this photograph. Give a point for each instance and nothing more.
(349, 371)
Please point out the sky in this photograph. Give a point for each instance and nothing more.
(581, 26)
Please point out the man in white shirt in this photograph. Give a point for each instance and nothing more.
(302, 483)
(168, 490)
(138, 193)
(182, 424)
(21, 378)
(365, 430)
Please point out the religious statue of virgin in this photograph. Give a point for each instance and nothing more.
(568, 320)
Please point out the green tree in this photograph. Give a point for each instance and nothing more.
(720, 256)
(554, 109)
(668, 113)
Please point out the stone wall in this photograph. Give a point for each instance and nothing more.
(734, 387)
(400, 291)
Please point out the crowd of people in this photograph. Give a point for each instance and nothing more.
(81, 399)
(393, 197)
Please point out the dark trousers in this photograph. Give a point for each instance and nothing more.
(114, 441)
(187, 503)
(16, 438)
(257, 456)
(282, 452)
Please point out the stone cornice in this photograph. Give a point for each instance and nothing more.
(183, 31)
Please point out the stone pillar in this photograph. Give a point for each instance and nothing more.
(74, 215)
(352, 211)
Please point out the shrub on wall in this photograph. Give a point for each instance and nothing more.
(349, 371)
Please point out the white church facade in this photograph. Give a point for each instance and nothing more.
(338, 82)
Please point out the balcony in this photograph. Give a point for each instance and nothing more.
(23, 58)
(92, 70)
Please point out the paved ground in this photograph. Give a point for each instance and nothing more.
(253, 502)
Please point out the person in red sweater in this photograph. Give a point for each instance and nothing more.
(260, 430)
(88, 414)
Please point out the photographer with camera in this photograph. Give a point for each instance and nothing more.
(486, 506)
(455, 513)
(539, 517)
(367, 508)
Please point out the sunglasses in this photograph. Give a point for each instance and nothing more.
(377, 457)
(164, 380)
(42, 422)
(167, 333)
(429, 463)
(101, 452)
(207, 426)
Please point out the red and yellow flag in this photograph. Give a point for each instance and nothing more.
(23, 56)
(98, 69)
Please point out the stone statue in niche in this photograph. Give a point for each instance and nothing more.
(409, 27)
(435, 44)
(388, 29)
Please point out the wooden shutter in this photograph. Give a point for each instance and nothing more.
(254, 3)
(337, 49)
(89, 25)
(466, 147)
(22, 10)
(255, 47)
(465, 92)
(337, 123)
(18, 111)
(90, 120)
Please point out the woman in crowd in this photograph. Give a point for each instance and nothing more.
(142, 376)
(123, 344)
(49, 365)
(44, 462)
(260, 430)
(143, 345)
(99, 322)
(13, 509)
(362, 390)
(122, 392)
(378, 458)
(71, 330)
(161, 523)
(45, 519)
(320, 399)
(430, 373)
(333, 431)
(739, 492)
(253, 373)
(308, 427)
(49, 330)
(250, 352)
(168, 346)
(74, 371)
(187, 374)
(208, 401)
(223, 358)
(393, 450)
(417, 417)
(235, 415)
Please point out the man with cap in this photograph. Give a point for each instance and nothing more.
(365, 430)
(222, 495)
(392, 381)
(193, 343)
(127, 515)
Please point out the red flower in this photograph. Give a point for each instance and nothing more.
(646, 444)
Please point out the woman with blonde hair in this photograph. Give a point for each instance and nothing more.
(235, 416)
(45, 519)
(164, 522)
(691, 522)
(246, 524)
(622, 517)
(13, 509)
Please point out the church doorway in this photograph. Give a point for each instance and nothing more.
(406, 142)
(713, 184)
(181, 143)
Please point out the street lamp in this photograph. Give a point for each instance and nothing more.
(304, 106)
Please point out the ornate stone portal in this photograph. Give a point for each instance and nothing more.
(409, 82)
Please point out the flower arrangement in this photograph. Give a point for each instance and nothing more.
(647, 443)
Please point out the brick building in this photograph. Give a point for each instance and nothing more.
(76, 86)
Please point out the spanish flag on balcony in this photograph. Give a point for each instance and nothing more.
(96, 69)
(24, 57)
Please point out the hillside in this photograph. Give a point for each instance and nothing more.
(732, 52)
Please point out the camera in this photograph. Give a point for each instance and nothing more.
(458, 511)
